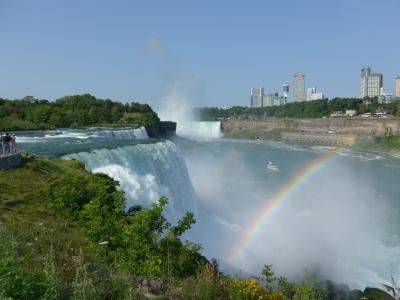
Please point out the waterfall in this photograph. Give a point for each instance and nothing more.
(199, 130)
(146, 172)
(126, 133)
(135, 133)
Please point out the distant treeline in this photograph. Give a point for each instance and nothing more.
(309, 109)
(72, 112)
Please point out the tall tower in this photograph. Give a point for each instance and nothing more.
(256, 97)
(299, 88)
(371, 84)
(285, 91)
(397, 92)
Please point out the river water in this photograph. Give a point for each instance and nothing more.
(338, 216)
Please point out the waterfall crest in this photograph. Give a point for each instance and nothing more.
(126, 133)
(202, 130)
(132, 133)
(146, 172)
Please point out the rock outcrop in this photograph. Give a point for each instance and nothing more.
(328, 131)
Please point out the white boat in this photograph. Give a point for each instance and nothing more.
(272, 167)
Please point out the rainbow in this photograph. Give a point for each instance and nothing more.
(285, 192)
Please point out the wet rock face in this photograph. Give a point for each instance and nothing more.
(164, 129)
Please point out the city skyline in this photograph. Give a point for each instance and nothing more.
(145, 51)
(370, 85)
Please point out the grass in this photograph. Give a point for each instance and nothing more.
(382, 144)
(45, 253)
(36, 223)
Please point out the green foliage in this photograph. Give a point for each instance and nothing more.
(310, 289)
(65, 235)
(63, 208)
(71, 111)
(268, 276)
(208, 283)
(385, 143)
(141, 119)
(306, 109)
(41, 282)
(151, 246)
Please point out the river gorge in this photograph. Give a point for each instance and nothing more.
(339, 131)
(332, 211)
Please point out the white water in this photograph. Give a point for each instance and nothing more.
(344, 223)
(146, 172)
(177, 106)
(128, 134)
(136, 133)
(202, 130)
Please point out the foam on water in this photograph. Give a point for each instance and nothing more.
(137, 133)
(146, 172)
(199, 130)
(344, 223)
(128, 134)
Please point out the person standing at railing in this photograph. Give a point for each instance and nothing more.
(6, 143)
(13, 144)
(1, 144)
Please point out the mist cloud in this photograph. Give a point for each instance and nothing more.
(182, 95)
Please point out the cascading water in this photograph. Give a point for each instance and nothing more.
(126, 133)
(199, 130)
(344, 223)
(146, 172)
(136, 133)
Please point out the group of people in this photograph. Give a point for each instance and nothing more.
(8, 144)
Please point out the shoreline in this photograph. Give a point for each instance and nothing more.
(370, 148)
(373, 135)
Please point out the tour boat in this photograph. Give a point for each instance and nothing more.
(272, 167)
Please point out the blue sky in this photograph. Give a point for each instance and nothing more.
(215, 51)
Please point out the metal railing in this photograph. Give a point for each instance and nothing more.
(8, 148)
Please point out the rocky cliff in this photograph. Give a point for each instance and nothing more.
(328, 131)
(162, 130)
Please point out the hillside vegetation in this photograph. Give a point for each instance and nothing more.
(65, 234)
(306, 109)
(72, 112)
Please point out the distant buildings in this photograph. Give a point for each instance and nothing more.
(397, 86)
(351, 112)
(371, 84)
(259, 99)
(313, 95)
(310, 92)
(285, 91)
(299, 88)
(348, 113)
(388, 99)
(273, 99)
(256, 97)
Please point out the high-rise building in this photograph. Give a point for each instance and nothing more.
(310, 92)
(260, 99)
(299, 88)
(371, 84)
(285, 91)
(313, 95)
(256, 97)
(273, 99)
(397, 92)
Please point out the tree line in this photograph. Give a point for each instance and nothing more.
(74, 111)
(308, 109)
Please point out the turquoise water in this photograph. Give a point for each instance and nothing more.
(343, 222)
